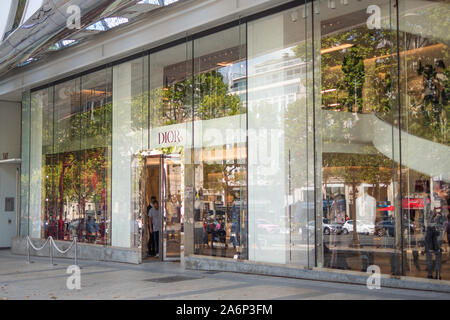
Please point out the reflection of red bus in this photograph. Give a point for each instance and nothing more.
(410, 203)
(407, 203)
(389, 208)
(413, 203)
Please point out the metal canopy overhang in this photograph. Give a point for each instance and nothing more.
(46, 30)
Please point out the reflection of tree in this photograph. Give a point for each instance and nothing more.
(224, 178)
(426, 42)
(355, 169)
(428, 107)
(297, 132)
(353, 80)
(215, 101)
(359, 73)
(173, 104)
(76, 170)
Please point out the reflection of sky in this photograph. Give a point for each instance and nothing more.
(157, 2)
(62, 44)
(26, 62)
(238, 70)
(235, 71)
(107, 23)
(275, 55)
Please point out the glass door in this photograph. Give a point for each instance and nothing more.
(172, 206)
(153, 179)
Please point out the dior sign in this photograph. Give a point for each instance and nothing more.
(171, 136)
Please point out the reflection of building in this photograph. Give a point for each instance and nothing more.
(247, 124)
(269, 77)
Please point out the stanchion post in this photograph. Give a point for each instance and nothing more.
(51, 250)
(76, 249)
(28, 251)
(51, 244)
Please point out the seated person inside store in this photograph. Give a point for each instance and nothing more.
(92, 229)
(218, 234)
(205, 234)
(154, 226)
(82, 230)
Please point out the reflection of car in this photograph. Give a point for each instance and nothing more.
(326, 205)
(331, 227)
(361, 227)
(327, 227)
(73, 225)
(387, 228)
(267, 226)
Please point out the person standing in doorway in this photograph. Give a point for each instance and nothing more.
(433, 241)
(154, 227)
(150, 236)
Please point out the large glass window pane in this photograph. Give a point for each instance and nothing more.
(63, 161)
(95, 156)
(361, 217)
(168, 176)
(130, 135)
(25, 165)
(424, 124)
(170, 91)
(220, 193)
(280, 138)
(76, 147)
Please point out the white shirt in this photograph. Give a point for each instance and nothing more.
(156, 218)
(366, 207)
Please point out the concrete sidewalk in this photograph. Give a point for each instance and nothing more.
(165, 280)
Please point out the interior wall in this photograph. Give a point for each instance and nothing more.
(10, 126)
(10, 129)
(152, 178)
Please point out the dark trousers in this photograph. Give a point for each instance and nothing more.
(150, 245)
(432, 243)
(367, 260)
(214, 250)
(153, 243)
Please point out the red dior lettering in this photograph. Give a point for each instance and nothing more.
(172, 136)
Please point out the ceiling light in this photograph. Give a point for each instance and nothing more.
(224, 64)
(341, 47)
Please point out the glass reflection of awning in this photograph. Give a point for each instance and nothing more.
(46, 30)
(11, 161)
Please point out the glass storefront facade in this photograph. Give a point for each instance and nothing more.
(315, 136)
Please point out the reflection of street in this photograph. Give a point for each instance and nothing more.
(382, 251)
(110, 280)
(343, 254)
(86, 230)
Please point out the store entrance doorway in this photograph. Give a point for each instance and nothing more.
(164, 179)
